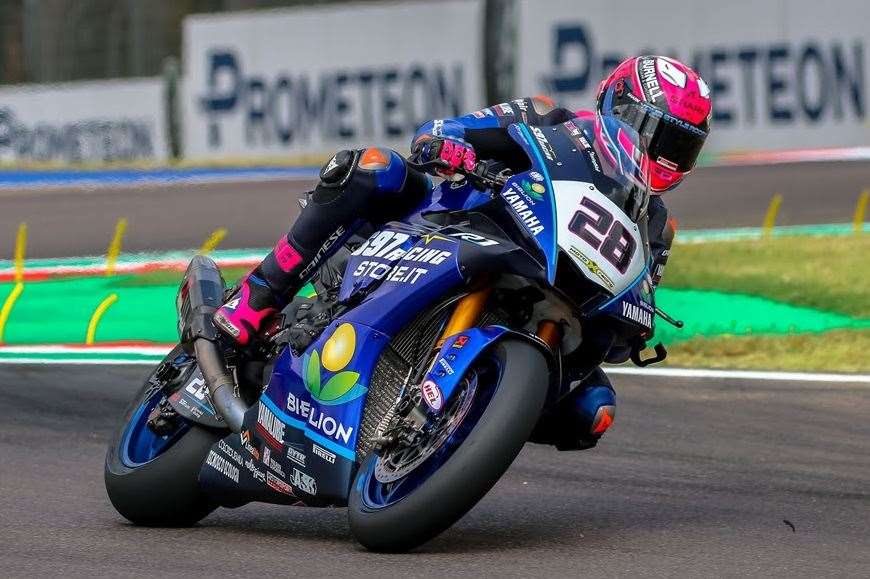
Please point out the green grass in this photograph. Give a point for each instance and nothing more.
(839, 350)
(827, 273)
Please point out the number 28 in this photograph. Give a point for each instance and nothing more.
(597, 227)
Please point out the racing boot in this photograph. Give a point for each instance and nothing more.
(262, 293)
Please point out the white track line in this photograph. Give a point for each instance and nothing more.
(738, 374)
(75, 362)
(625, 370)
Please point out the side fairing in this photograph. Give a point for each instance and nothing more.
(600, 239)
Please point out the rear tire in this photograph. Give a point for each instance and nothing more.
(163, 492)
(470, 472)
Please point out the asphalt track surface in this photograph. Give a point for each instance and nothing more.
(73, 222)
(696, 478)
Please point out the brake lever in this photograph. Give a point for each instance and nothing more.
(479, 176)
(672, 321)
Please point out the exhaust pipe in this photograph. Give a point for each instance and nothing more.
(200, 295)
(221, 385)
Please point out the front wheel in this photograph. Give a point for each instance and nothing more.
(152, 479)
(404, 497)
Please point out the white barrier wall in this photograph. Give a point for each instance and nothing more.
(785, 74)
(305, 82)
(83, 122)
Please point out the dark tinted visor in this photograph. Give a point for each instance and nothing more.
(669, 141)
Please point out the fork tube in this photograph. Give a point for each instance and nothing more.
(466, 313)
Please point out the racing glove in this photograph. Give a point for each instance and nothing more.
(454, 154)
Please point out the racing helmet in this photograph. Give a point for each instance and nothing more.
(669, 106)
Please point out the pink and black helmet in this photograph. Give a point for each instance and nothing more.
(668, 104)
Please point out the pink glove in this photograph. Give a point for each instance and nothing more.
(458, 155)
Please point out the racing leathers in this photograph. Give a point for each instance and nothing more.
(376, 185)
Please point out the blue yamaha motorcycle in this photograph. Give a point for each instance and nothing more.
(408, 384)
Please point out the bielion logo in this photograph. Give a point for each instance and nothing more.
(338, 351)
(534, 190)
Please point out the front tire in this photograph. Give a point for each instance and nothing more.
(470, 471)
(154, 481)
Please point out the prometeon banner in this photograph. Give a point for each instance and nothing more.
(306, 82)
(83, 122)
(783, 75)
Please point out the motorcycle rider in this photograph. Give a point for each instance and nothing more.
(665, 101)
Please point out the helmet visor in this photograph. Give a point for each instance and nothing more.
(668, 140)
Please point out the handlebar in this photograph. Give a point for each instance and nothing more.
(482, 175)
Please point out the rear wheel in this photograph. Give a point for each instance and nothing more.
(405, 496)
(152, 479)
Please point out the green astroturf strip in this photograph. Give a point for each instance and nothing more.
(58, 311)
(710, 313)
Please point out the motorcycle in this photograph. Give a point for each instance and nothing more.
(407, 385)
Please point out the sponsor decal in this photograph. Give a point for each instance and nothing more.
(521, 208)
(257, 473)
(85, 140)
(279, 485)
(666, 163)
(545, 145)
(323, 453)
(387, 246)
(534, 190)
(399, 274)
(474, 238)
(504, 110)
(318, 420)
(460, 342)
(304, 482)
(445, 366)
(197, 388)
(432, 395)
(593, 267)
(296, 453)
(649, 79)
(479, 114)
(336, 103)
(245, 438)
(524, 109)
(231, 452)
(637, 314)
(270, 427)
(270, 462)
(536, 176)
(337, 353)
(578, 137)
(770, 82)
(323, 251)
(333, 163)
(223, 466)
(383, 244)
(438, 127)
